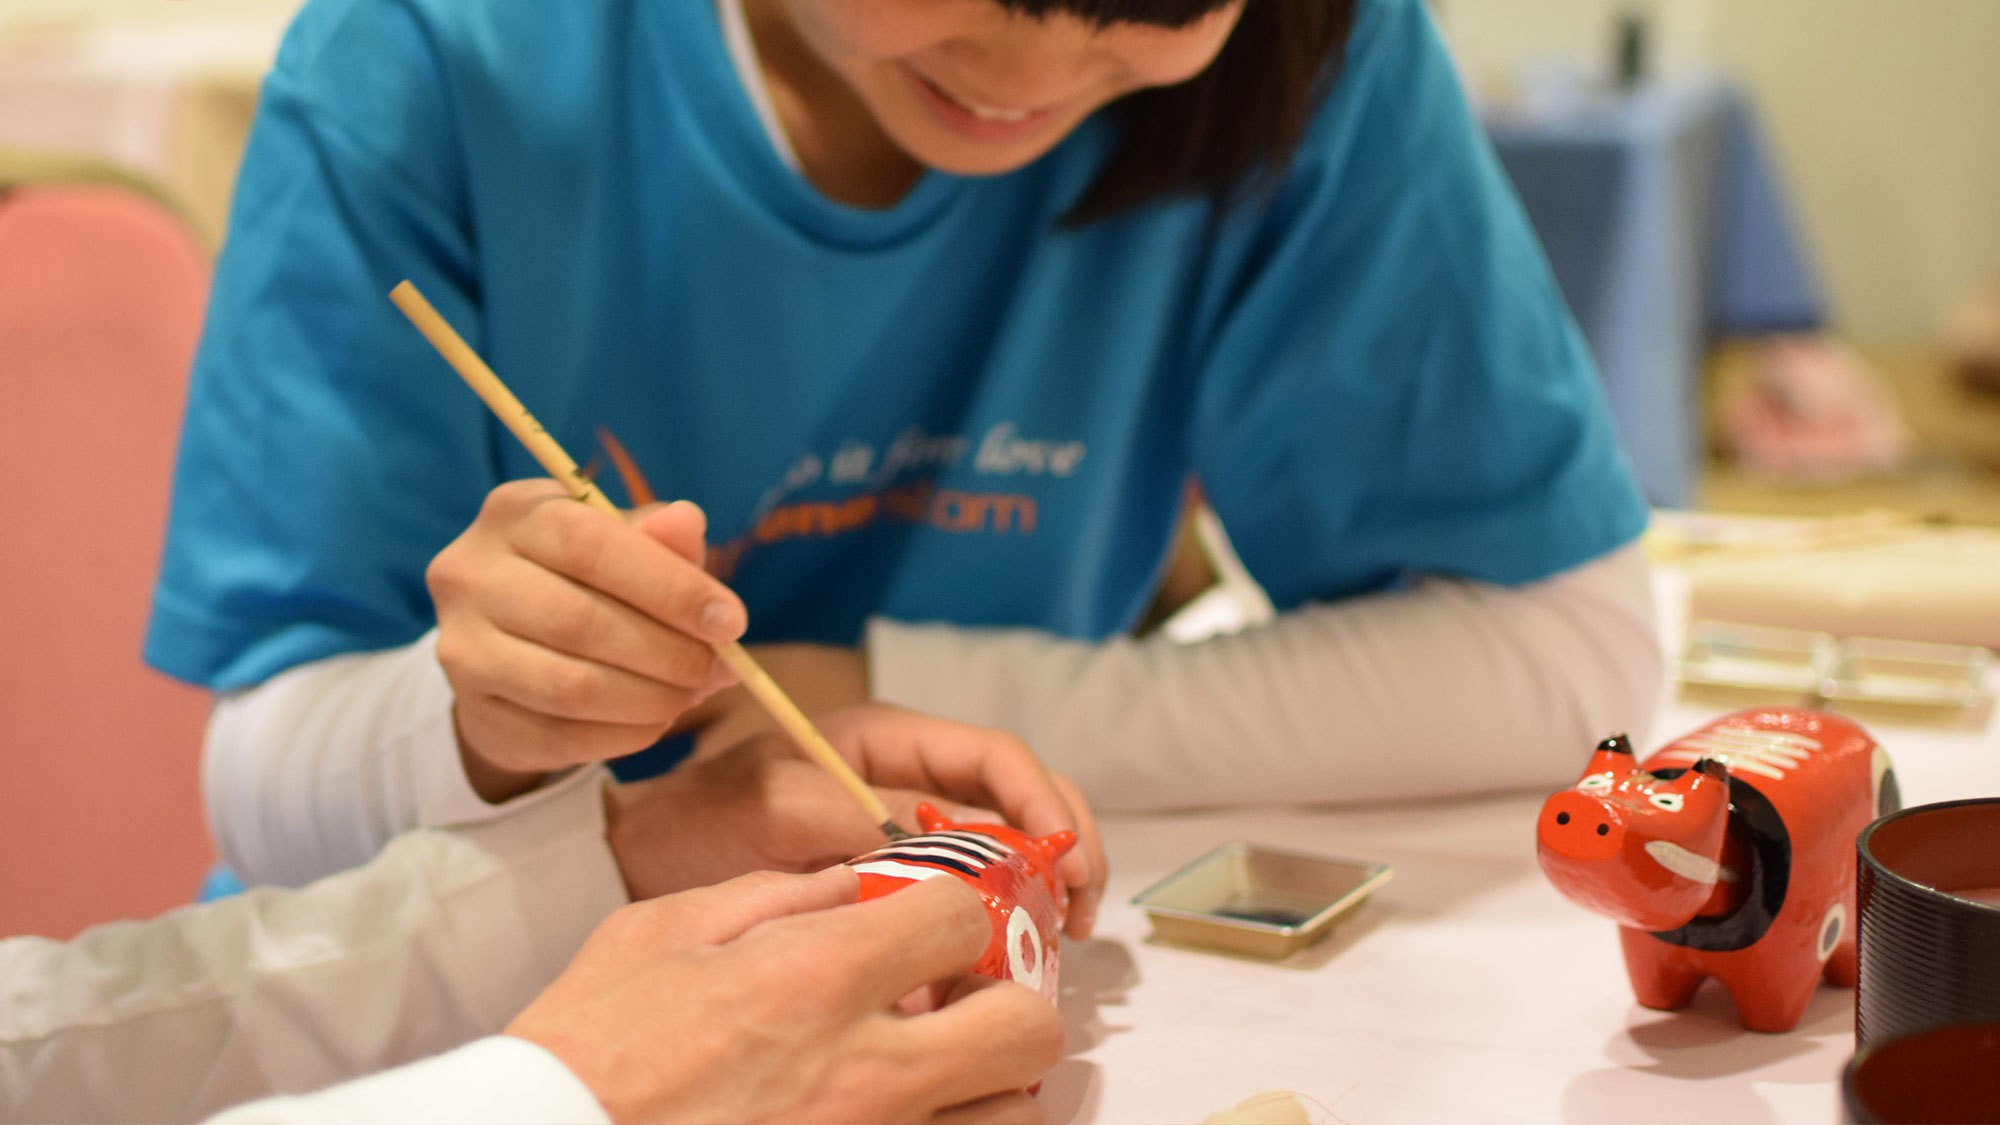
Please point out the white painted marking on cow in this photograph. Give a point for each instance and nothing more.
(1766, 753)
(1682, 862)
(983, 842)
(908, 871)
(1025, 967)
(1830, 929)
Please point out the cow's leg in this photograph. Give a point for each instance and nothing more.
(1838, 929)
(1663, 976)
(1773, 981)
(1844, 967)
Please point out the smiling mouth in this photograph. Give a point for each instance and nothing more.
(982, 112)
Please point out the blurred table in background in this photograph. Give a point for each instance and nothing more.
(163, 89)
(1666, 226)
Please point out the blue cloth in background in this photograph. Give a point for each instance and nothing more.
(220, 882)
(1763, 279)
(1666, 225)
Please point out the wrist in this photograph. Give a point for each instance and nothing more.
(661, 835)
(618, 838)
(819, 678)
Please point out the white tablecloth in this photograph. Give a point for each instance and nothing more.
(1464, 990)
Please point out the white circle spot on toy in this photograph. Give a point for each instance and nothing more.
(1830, 929)
(1024, 948)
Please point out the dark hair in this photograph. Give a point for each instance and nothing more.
(1229, 129)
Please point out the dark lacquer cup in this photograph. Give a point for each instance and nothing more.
(1927, 1006)
(1943, 1076)
(1929, 904)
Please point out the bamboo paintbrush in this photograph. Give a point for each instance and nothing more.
(559, 465)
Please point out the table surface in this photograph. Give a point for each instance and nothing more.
(1464, 990)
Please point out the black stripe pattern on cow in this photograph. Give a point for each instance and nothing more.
(968, 853)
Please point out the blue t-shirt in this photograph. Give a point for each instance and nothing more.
(952, 409)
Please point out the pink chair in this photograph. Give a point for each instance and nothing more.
(101, 296)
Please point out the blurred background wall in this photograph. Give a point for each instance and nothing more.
(1881, 114)
(1884, 117)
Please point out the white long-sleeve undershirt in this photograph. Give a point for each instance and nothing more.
(1447, 687)
(430, 948)
(315, 769)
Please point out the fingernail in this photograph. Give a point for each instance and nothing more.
(691, 506)
(722, 620)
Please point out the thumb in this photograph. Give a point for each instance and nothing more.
(681, 525)
(724, 912)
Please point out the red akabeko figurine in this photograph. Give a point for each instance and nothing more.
(1013, 872)
(1729, 853)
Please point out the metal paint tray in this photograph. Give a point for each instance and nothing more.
(1790, 662)
(1261, 901)
(1911, 673)
(1803, 667)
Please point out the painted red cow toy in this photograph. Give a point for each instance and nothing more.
(1729, 854)
(1013, 872)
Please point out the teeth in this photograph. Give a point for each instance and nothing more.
(982, 112)
(985, 114)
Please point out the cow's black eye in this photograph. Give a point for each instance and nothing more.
(1604, 830)
(1562, 818)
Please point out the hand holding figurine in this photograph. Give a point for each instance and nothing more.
(760, 806)
(571, 635)
(774, 998)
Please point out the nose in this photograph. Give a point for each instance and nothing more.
(1580, 826)
(1026, 62)
(1051, 33)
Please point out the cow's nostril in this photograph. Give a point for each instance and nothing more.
(1562, 818)
(1604, 830)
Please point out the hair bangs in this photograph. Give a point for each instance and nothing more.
(1229, 132)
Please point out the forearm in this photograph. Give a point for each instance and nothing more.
(312, 771)
(443, 938)
(1446, 688)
